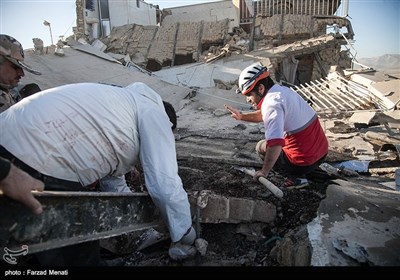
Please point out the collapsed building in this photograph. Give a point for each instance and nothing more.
(187, 34)
(290, 37)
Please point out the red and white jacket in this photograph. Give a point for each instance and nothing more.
(290, 122)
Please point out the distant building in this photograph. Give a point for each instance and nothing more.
(96, 18)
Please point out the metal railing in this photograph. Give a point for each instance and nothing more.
(336, 94)
(294, 7)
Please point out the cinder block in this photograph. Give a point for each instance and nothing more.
(217, 210)
(241, 209)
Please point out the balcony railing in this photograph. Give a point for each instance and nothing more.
(267, 8)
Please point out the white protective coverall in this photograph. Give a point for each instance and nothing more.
(87, 131)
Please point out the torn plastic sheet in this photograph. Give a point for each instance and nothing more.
(355, 165)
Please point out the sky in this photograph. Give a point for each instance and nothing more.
(376, 23)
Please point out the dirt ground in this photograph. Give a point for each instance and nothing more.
(228, 245)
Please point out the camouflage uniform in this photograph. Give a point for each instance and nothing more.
(6, 99)
(11, 50)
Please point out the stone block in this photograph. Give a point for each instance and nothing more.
(217, 210)
(241, 209)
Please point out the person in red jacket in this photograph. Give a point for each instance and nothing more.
(294, 138)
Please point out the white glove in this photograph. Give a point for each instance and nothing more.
(184, 248)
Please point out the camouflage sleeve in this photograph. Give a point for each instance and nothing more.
(6, 100)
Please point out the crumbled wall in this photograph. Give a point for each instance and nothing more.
(187, 41)
(286, 29)
(214, 33)
(320, 24)
(80, 24)
(140, 41)
(131, 39)
(331, 55)
(117, 40)
(287, 25)
(163, 45)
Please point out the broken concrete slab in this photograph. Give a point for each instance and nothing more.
(371, 135)
(74, 217)
(94, 51)
(393, 119)
(356, 225)
(80, 67)
(202, 75)
(385, 89)
(362, 117)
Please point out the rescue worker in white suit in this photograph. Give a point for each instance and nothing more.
(81, 133)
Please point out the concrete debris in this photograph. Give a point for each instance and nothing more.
(202, 198)
(339, 170)
(226, 51)
(201, 246)
(371, 135)
(354, 165)
(362, 117)
(38, 46)
(356, 225)
(294, 249)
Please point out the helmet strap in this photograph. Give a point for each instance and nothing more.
(258, 91)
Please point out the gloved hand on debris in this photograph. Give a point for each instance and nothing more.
(184, 248)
